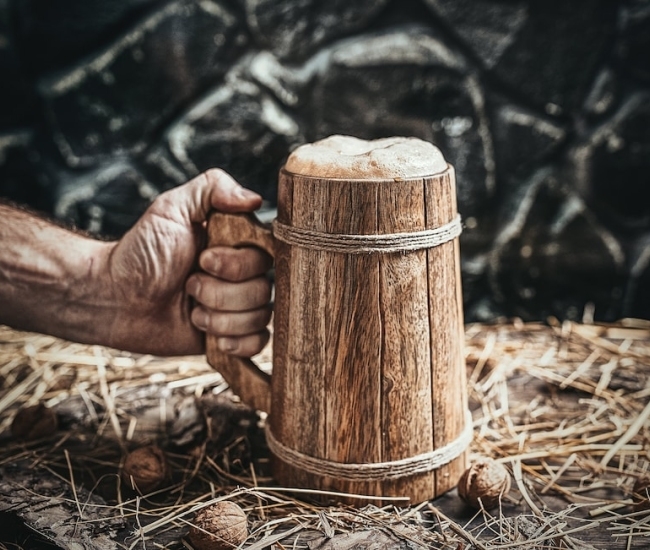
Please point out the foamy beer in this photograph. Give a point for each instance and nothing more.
(368, 392)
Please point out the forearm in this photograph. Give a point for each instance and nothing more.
(50, 278)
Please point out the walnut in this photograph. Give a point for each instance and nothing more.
(145, 469)
(220, 526)
(484, 483)
(34, 422)
(641, 494)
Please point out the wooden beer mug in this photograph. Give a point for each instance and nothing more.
(368, 392)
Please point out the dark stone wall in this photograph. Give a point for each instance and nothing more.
(543, 107)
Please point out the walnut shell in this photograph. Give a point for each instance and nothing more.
(221, 526)
(641, 494)
(484, 483)
(34, 422)
(145, 469)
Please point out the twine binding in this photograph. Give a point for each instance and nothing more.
(374, 471)
(360, 244)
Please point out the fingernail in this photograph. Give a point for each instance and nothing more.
(200, 319)
(227, 345)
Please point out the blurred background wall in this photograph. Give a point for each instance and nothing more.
(542, 106)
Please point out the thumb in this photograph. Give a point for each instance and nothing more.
(227, 195)
(214, 189)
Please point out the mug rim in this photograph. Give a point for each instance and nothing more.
(448, 169)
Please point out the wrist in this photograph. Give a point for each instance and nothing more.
(77, 303)
(92, 303)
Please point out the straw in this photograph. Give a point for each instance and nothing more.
(565, 406)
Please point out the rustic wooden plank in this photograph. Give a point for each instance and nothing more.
(353, 402)
(287, 380)
(281, 304)
(405, 355)
(299, 425)
(449, 386)
(280, 380)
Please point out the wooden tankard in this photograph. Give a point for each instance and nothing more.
(368, 392)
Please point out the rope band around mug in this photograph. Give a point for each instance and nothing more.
(374, 471)
(364, 244)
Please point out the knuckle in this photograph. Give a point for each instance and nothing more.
(236, 270)
(163, 202)
(220, 324)
(213, 176)
(218, 299)
(212, 294)
(224, 263)
(211, 260)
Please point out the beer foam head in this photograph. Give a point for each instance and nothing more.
(347, 157)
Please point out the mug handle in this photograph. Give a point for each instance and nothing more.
(244, 377)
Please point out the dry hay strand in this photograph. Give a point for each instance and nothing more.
(564, 406)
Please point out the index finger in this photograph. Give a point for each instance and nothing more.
(235, 264)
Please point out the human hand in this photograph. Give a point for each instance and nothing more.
(153, 271)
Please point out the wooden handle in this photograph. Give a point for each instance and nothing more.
(244, 377)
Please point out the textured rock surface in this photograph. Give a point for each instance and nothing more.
(113, 103)
(545, 50)
(489, 27)
(238, 126)
(612, 163)
(293, 29)
(634, 41)
(523, 139)
(104, 200)
(16, 96)
(68, 27)
(542, 107)
(552, 252)
(21, 178)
